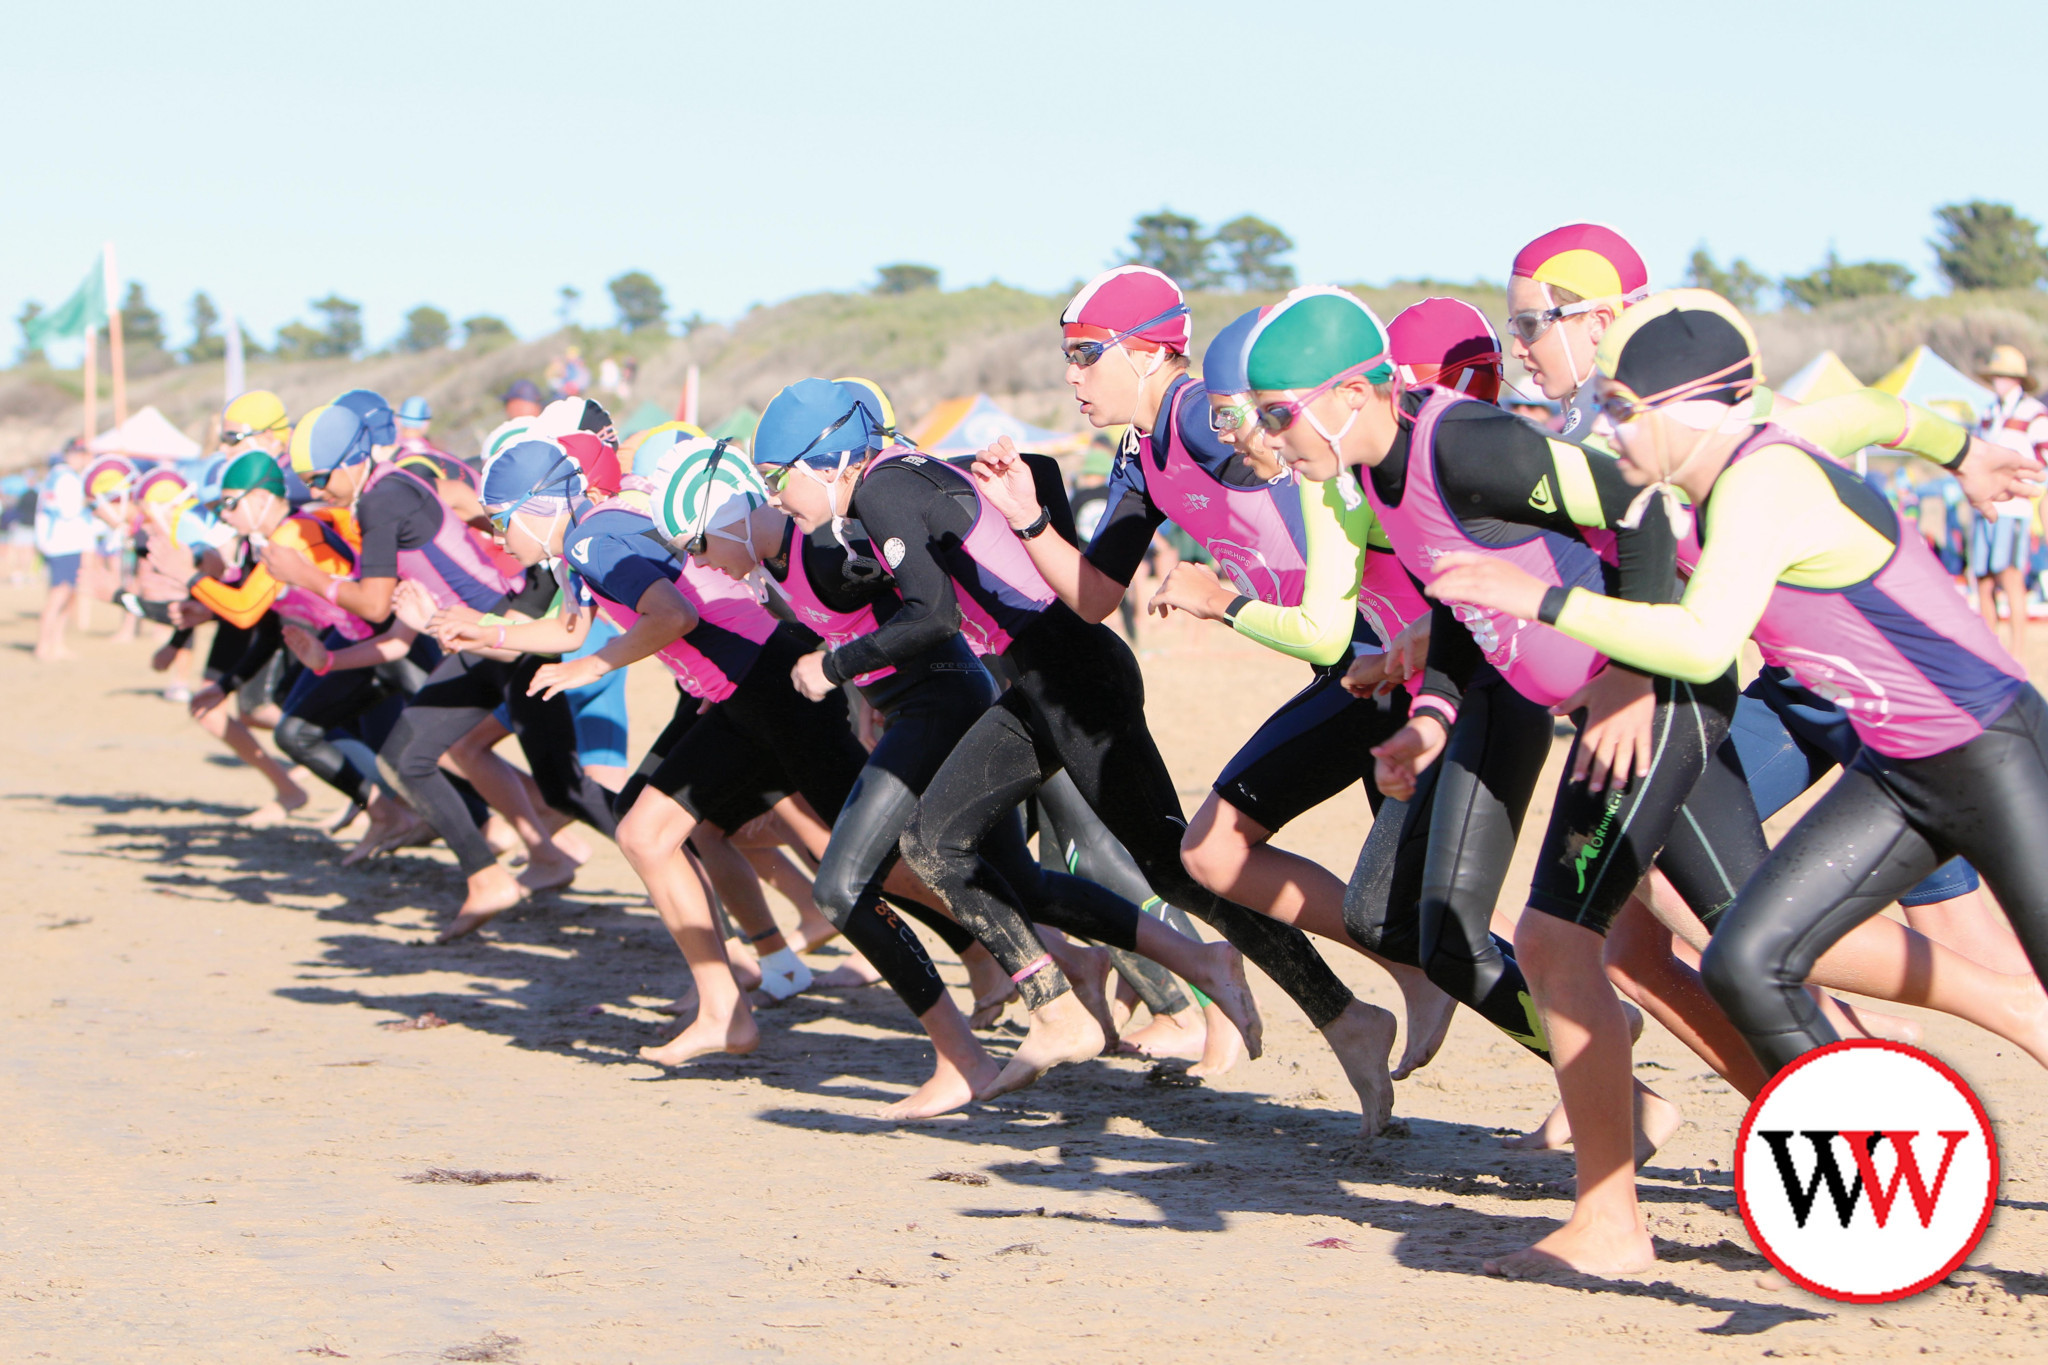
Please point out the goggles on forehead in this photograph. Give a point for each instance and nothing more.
(1086, 353)
(1277, 416)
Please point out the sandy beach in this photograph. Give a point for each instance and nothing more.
(220, 1149)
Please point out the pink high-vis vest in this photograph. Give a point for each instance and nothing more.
(1912, 665)
(732, 625)
(1254, 534)
(1000, 590)
(834, 627)
(1539, 662)
(451, 566)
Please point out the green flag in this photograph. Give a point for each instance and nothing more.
(85, 310)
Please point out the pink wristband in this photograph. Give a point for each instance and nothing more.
(1033, 970)
(501, 637)
(333, 593)
(1437, 707)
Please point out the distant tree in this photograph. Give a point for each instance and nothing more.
(1742, 284)
(568, 296)
(1989, 246)
(485, 330)
(691, 323)
(1173, 244)
(1838, 279)
(206, 343)
(28, 355)
(141, 325)
(639, 301)
(426, 329)
(297, 341)
(343, 334)
(904, 278)
(1253, 248)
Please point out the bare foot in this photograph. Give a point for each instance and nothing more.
(1430, 1012)
(1222, 1045)
(746, 968)
(1178, 1035)
(855, 971)
(1063, 1031)
(992, 987)
(948, 1089)
(556, 873)
(1225, 984)
(391, 826)
(339, 826)
(736, 1037)
(1362, 1036)
(503, 839)
(1578, 1249)
(491, 893)
(813, 931)
(2026, 1016)
(1656, 1120)
(1087, 971)
(572, 845)
(275, 812)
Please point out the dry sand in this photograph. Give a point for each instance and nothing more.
(213, 1142)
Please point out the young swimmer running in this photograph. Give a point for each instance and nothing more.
(727, 651)
(1351, 599)
(1077, 703)
(1800, 555)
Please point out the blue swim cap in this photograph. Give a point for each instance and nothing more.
(334, 437)
(375, 412)
(415, 412)
(1223, 371)
(818, 421)
(535, 470)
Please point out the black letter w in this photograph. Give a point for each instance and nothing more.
(1824, 1168)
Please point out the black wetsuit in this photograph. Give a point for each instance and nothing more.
(1508, 481)
(1077, 704)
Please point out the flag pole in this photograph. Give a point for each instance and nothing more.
(92, 383)
(115, 357)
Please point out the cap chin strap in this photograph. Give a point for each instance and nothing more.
(1336, 439)
(1571, 361)
(1132, 442)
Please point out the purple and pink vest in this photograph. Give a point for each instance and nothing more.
(1916, 670)
(1539, 662)
(452, 567)
(732, 625)
(834, 627)
(1254, 534)
(1000, 590)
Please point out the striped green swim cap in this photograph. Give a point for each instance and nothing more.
(1315, 333)
(701, 484)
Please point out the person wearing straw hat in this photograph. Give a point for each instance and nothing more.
(2001, 546)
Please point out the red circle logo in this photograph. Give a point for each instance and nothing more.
(1866, 1171)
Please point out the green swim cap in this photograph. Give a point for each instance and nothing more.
(1315, 333)
(257, 469)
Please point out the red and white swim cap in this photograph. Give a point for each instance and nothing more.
(1117, 300)
(1447, 342)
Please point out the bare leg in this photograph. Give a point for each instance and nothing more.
(651, 836)
(286, 795)
(50, 628)
(1970, 925)
(1884, 959)
(548, 867)
(1589, 1047)
(1231, 854)
(2014, 581)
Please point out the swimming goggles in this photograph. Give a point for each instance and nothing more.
(1277, 416)
(1086, 353)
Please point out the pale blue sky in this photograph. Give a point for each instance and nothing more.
(480, 156)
